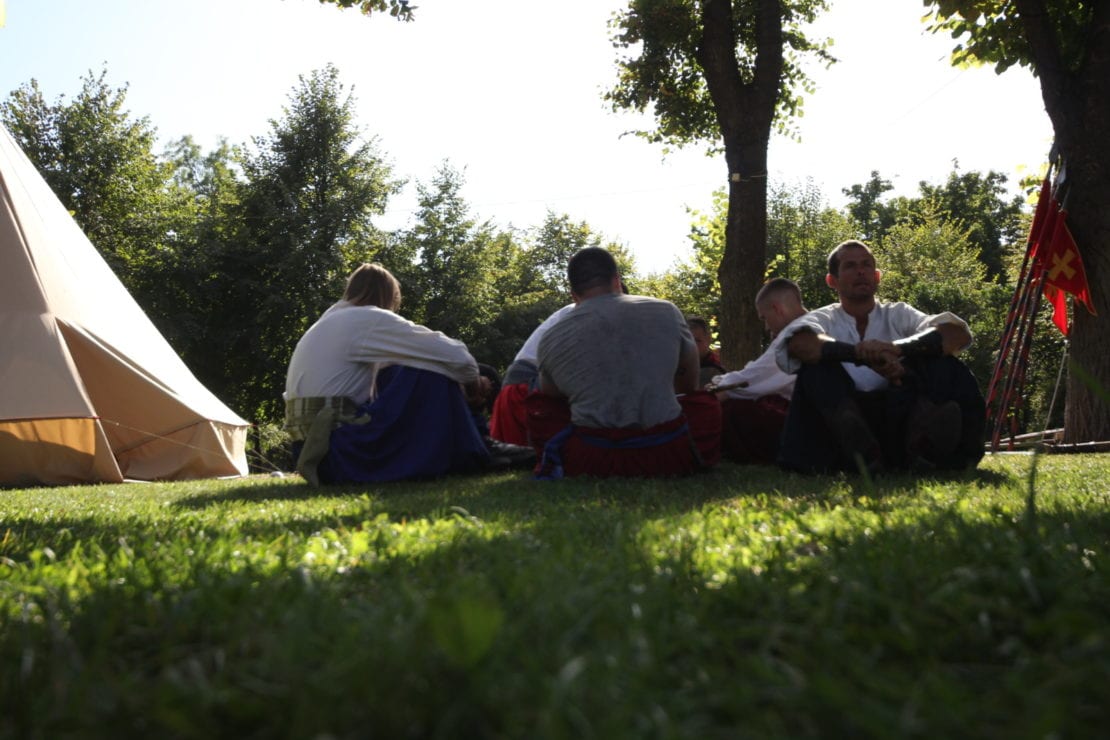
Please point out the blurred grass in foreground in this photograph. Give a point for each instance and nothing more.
(742, 603)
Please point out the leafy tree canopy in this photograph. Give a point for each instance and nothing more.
(402, 10)
(990, 32)
(100, 163)
(301, 220)
(992, 219)
(667, 74)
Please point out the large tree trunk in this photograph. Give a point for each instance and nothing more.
(1087, 409)
(741, 270)
(745, 112)
(1078, 103)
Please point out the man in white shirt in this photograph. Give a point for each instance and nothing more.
(754, 400)
(878, 384)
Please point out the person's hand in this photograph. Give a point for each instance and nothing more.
(890, 367)
(478, 391)
(882, 357)
(875, 352)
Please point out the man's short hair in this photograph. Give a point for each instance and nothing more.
(834, 256)
(697, 322)
(778, 286)
(589, 268)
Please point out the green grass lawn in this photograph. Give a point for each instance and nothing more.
(741, 603)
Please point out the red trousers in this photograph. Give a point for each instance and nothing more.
(751, 429)
(507, 421)
(663, 450)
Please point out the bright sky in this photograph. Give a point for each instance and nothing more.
(510, 92)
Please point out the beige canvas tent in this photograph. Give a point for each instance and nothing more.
(90, 391)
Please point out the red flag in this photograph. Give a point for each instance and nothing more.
(1064, 272)
(1042, 213)
(1059, 302)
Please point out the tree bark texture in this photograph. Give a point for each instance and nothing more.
(1078, 104)
(745, 113)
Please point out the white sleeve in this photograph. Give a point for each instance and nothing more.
(814, 321)
(530, 351)
(397, 340)
(763, 376)
(945, 317)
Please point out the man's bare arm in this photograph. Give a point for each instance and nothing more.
(686, 376)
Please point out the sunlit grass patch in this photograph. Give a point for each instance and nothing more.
(745, 602)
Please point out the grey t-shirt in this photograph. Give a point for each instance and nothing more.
(614, 357)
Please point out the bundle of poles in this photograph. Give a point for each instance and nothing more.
(1005, 392)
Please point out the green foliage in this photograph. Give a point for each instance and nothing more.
(204, 191)
(801, 230)
(399, 9)
(450, 287)
(550, 247)
(100, 164)
(692, 283)
(994, 224)
(993, 33)
(866, 206)
(930, 264)
(531, 283)
(665, 73)
(301, 221)
(742, 602)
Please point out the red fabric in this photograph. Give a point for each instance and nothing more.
(1057, 255)
(1044, 214)
(507, 420)
(712, 359)
(547, 416)
(751, 428)
(1065, 273)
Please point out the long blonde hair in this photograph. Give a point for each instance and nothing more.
(373, 285)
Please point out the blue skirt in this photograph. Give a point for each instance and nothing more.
(420, 426)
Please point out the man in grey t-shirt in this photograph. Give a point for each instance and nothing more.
(619, 376)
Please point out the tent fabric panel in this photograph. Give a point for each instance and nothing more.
(79, 353)
(145, 420)
(122, 392)
(55, 452)
(80, 288)
(19, 285)
(205, 449)
(37, 375)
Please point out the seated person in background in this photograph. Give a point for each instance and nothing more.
(754, 400)
(507, 420)
(618, 382)
(370, 396)
(709, 362)
(878, 384)
(482, 409)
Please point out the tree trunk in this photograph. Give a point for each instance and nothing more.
(741, 270)
(745, 111)
(1087, 408)
(1078, 103)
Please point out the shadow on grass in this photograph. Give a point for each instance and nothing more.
(512, 499)
(577, 626)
